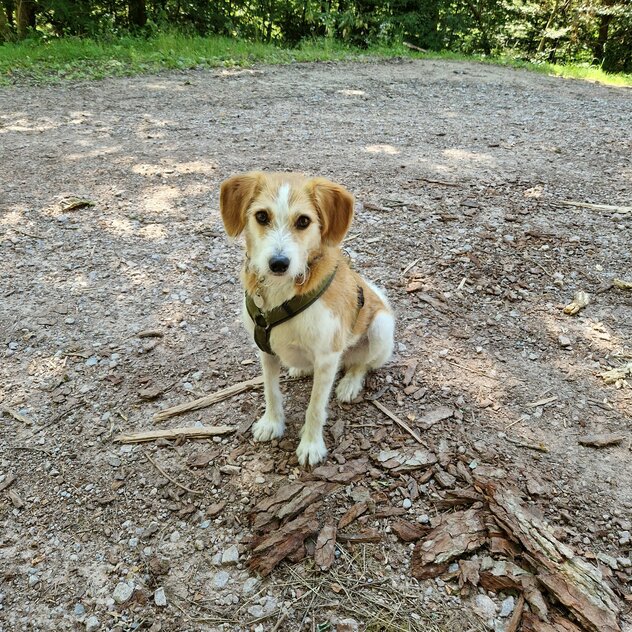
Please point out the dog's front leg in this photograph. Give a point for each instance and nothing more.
(272, 424)
(311, 448)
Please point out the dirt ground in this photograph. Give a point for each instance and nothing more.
(459, 171)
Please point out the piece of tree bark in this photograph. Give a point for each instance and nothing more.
(601, 440)
(288, 502)
(456, 497)
(531, 623)
(516, 616)
(272, 549)
(352, 514)
(503, 575)
(325, 551)
(408, 531)
(368, 535)
(350, 471)
(469, 572)
(458, 533)
(573, 582)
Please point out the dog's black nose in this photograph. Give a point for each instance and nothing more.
(279, 264)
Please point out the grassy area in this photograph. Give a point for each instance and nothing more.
(71, 58)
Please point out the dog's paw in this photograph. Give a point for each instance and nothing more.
(349, 388)
(268, 428)
(311, 452)
(295, 372)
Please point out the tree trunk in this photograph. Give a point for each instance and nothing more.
(548, 26)
(25, 17)
(602, 37)
(5, 31)
(137, 13)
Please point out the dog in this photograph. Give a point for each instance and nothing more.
(305, 306)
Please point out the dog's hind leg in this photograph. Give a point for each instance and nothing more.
(370, 354)
(272, 424)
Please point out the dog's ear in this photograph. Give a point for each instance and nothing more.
(335, 208)
(236, 195)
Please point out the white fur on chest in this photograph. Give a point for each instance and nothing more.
(299, 340)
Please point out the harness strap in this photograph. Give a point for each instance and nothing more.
(266, 321)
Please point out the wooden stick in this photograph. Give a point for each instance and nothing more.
(16, 415)
(543, 402)
(208, 400)
(531, 446)
(471, 370)
(399, 422)
(597, 207)
(192, 432)
(413, 47)
(180, 485)
(514, 622)
(441, 182)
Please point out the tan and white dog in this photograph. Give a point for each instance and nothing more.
(304, 305)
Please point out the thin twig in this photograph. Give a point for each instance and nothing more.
(180, 485)
(409, 266)
(539, 265)
(471, 370)
(596, 207)
(531, 446)
(399, 422)
(16, 415)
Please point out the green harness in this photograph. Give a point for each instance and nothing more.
(265, 321)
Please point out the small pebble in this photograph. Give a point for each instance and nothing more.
(160, 599)
(92, 624)
(230, 555)
(122, 592)
(407, 504)
(507, 606)
(221, 579)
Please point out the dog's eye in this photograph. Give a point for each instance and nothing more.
(303, 222)
(262, 217)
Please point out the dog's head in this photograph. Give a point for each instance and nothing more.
(287, 219)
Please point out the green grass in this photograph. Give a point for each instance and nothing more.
(54, 60)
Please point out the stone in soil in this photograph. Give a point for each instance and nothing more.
(160, 598)
(507, 606)
(484, 607)
(92, 624)
(122, 592)
(230, 555)
(221, 579)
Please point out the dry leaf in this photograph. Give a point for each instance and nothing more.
(621, 284)
(580, 300)
(615, 375)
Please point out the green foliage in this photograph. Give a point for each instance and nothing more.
(77, 58)
(597, 32)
